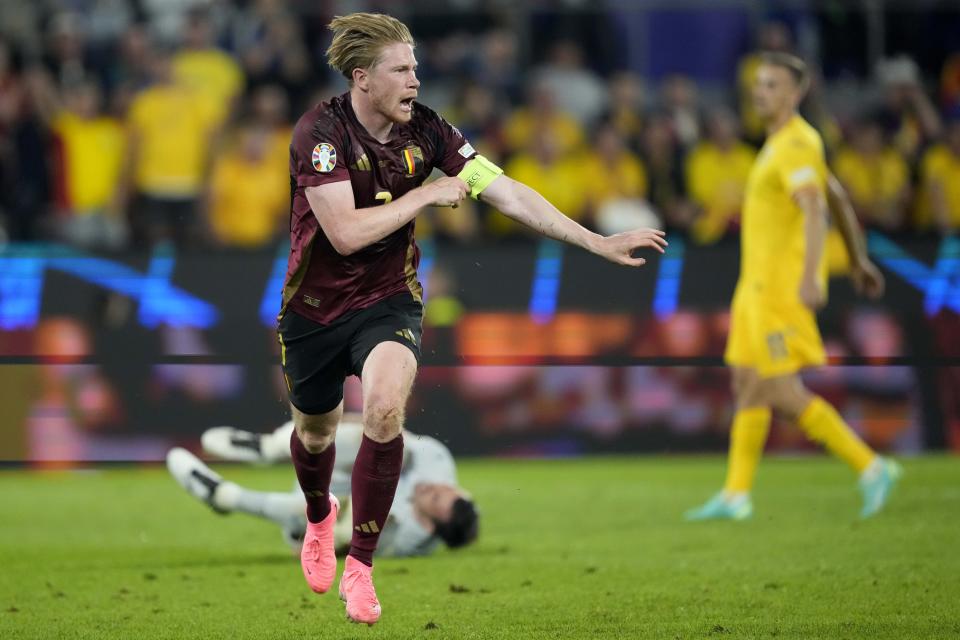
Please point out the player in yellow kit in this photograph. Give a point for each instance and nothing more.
(773, 332)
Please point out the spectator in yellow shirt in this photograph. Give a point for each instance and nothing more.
(525, 124)
(171, 130)
(940, 183)
(875, 175)
(616, 183)
(716, 174)
(611, 170)
(91, 151)
(249, 192)
(205, 68)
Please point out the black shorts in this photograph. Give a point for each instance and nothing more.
(318, 358)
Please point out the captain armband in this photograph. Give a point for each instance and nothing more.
(478, 174)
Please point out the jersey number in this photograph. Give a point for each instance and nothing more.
(777, 344)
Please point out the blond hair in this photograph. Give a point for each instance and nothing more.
(359, 38)
(795, 65)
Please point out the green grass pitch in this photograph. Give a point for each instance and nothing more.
(589, 548)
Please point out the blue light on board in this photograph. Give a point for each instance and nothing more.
(273, 294)
(546, 281)
(21, 282)
(667, 293)
(940, 283)
(428, 254)
(22, 269)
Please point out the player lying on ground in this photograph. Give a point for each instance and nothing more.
(428, 508)
(351, 300)
(773, 326)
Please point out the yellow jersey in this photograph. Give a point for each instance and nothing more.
(870, 179)
(772, 238)
(624, 178)
(249, 198)
(942, 168)
(522, 126)
(716, 180)
(173, 125)
(210, 71)
(93, 151)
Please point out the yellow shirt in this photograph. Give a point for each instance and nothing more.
(521, 126)
(173, 126)
(942, 167)
(211, 71)
(248, 199)
(626, 178)
(772, 235)
(93, 152)
(716, 180)
(872, 179)
(563, 184)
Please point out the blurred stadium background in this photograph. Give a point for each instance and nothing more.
(143, 221)
(143, 163)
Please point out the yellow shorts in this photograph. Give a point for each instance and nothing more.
(775, 338)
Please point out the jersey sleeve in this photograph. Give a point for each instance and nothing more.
(452, 150)
(318, 154)
(802, 164)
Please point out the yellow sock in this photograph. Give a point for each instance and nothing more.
(823, 424)
(747, 437)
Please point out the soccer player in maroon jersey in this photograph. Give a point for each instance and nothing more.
(351, 301)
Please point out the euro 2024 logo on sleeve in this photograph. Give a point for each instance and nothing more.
(324, 157)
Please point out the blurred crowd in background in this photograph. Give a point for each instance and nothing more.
(128, 122)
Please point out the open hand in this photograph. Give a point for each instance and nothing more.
(619, 248)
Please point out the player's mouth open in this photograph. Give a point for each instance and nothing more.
(407, 104)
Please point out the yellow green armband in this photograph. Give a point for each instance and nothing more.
(478, 174)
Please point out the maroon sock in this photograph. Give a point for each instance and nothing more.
(313, 471)
(374, 482)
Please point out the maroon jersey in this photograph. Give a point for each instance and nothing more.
(330, 145)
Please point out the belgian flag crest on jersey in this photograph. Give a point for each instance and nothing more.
(412, 160)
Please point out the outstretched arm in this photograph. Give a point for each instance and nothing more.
(867, 279)
(523, 204)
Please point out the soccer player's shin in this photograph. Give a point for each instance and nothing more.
(823, 424)
(376, 473)
(314, 471)
(747, 439)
